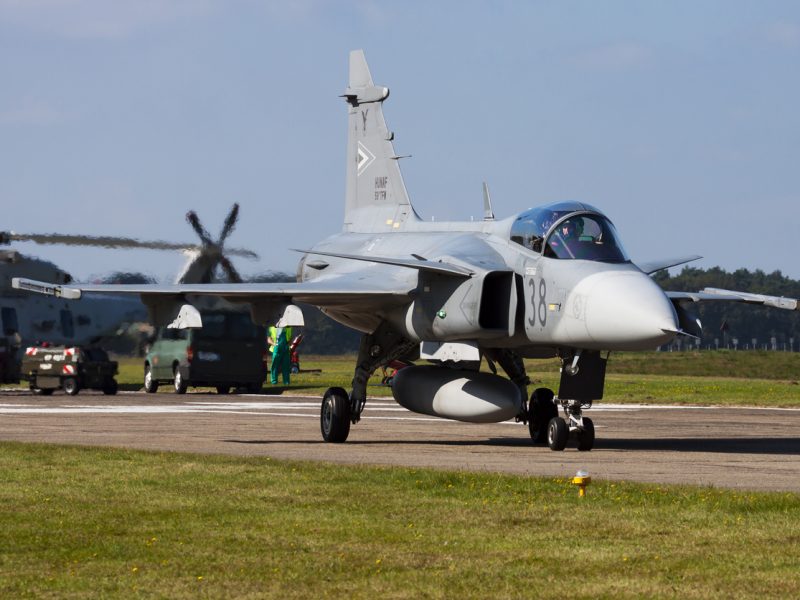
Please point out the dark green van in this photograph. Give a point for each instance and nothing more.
(229, 351)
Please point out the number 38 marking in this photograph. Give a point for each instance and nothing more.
(538, 308)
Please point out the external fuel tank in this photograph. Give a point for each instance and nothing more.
(456, 394)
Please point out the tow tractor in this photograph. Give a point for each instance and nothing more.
(48, 368)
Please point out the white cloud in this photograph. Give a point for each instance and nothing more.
(619, 56)
(784, 34)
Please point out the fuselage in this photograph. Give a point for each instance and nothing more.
(518, 296)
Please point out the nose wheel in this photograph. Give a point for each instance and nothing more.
(560, 430)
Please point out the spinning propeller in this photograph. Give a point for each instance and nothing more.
(207, 256)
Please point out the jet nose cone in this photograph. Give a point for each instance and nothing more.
(628, 311)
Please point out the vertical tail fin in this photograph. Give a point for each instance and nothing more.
(376, 197)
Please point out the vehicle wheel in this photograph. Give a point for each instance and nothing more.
(335, 415)
(42, 392)
(110, 388)
(557, 433)
(223, 389)
(180, 385)
(253, 388)
(295, 369)
(540, 410)
(70, 385)
(586, 435)
(150, 384)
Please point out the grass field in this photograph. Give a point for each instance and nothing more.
(705, 378)
(78, 522)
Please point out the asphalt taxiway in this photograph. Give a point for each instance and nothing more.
(744, 448)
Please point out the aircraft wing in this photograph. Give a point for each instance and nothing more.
(336, 291)
(419, 263)
(719, 295)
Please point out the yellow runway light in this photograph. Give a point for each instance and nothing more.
(582, 479)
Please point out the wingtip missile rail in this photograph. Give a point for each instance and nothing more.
(48, 289)
(773, 301)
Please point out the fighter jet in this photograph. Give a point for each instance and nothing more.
(553, 281)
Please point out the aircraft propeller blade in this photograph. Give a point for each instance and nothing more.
(230, 271)
(241, 252)
(191, 217)
(105, 241)
(230, 223)
(109, 241)
(209, 253)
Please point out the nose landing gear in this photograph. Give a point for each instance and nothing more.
(581, 428)
(546, 426)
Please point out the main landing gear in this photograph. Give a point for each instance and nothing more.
(339, 410)
(546, 426)
(334, 420)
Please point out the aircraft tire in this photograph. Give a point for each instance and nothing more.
(179, 384)
(540, 410)
(150, 384)
(223, 389)
(334, 420)
(557, 434)
(70, 385)
(110, 388)
(586, 435)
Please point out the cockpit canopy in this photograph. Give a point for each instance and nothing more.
(568, 230)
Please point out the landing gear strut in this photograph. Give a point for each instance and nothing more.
(546, 426)
(339, 409)
(581, 428)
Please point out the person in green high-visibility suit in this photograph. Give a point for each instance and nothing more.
(279, 338)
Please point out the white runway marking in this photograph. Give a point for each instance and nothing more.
(307, 407)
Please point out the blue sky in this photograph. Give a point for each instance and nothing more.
(680, 120)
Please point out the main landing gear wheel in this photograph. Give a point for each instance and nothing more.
(540, 410)
(586, 435)
(557, 433)
(334, 419)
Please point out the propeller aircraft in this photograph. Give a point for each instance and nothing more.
(32, 317)
(552, 281)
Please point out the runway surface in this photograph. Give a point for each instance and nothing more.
(744, 448)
